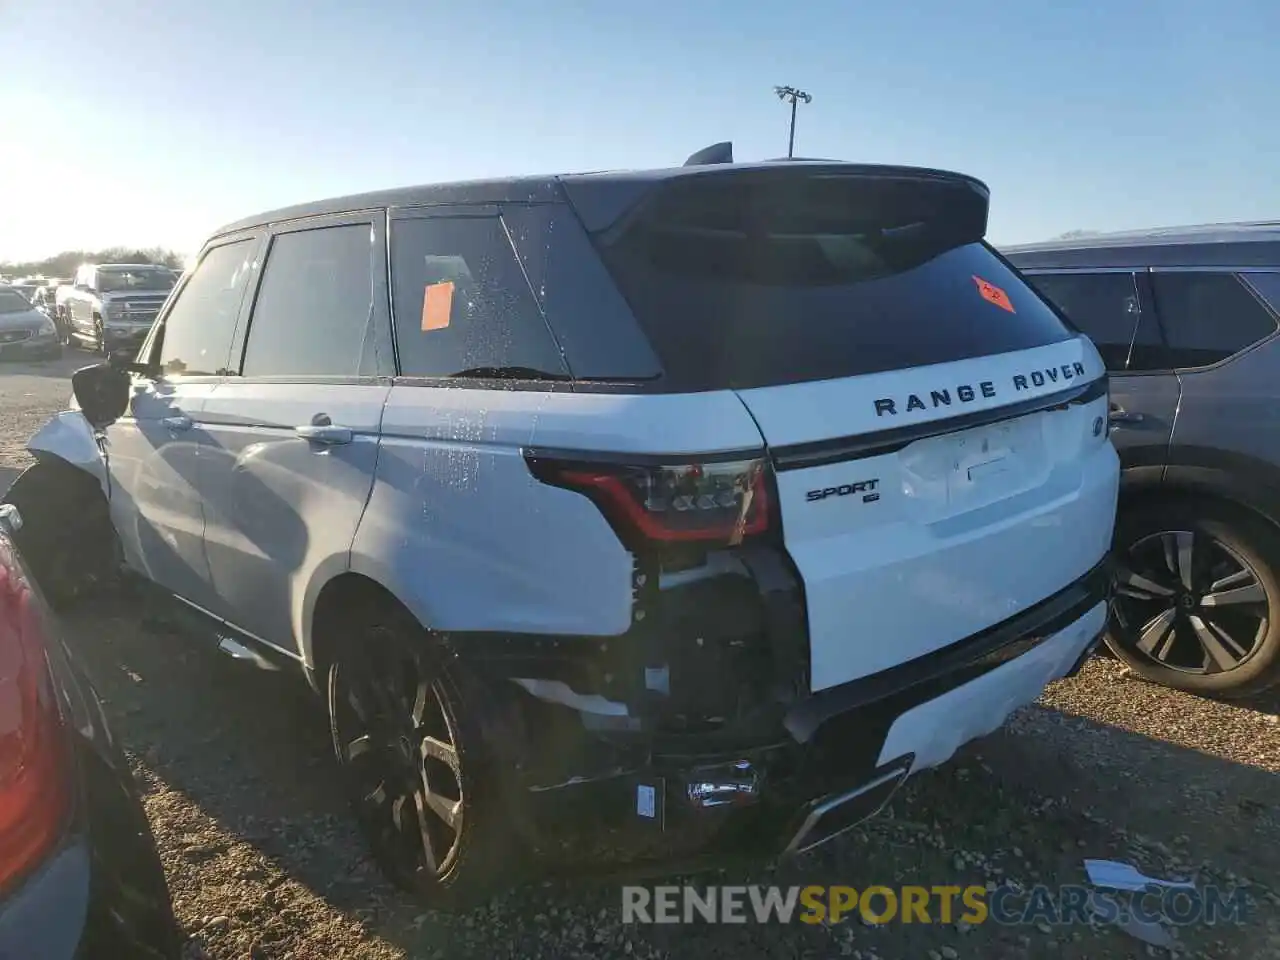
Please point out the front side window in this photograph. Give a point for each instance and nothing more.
(463, 307)
(1103, 306)
(314, 311)
(199, 327)
(1208, 317)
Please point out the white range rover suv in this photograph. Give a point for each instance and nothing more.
(620, 517)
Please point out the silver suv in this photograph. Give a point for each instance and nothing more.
(111, 306)
(655, 513)
(1186, 320)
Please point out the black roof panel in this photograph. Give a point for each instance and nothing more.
(505, 190)
(544, 189)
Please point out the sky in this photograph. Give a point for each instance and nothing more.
(146, 123)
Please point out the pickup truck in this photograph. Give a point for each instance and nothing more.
(111, 305)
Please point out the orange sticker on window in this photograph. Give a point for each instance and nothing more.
(993, 294)
(437, 305)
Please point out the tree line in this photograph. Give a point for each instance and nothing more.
(64, 264)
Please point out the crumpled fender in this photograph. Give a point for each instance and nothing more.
(68, 437)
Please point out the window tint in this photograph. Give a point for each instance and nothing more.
(463, 305)
(1266, 285)
(1149, 350)
(11, 301)
(313, 314)
(1103, 306)
(199, 327)
(746, 281)
(1207, 316)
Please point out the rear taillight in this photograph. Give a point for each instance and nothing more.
(708, 501)
(34, 775)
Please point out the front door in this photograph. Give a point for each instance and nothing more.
(1113, 309)
(153, 456)
(156, 452)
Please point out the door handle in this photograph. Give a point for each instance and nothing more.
(177, 423)
(324, 433)
(1118, 415)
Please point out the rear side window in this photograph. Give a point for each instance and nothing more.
(1207, 317)
(314, 312)
(1267, 286)
(462, 305)
(750, 281)
(200, 324)
(1103, 306)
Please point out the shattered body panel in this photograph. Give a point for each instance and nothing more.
(68, 437)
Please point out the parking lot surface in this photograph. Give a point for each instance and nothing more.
(264, 863)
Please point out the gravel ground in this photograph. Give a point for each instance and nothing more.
(263, 861)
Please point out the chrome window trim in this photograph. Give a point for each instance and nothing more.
(1037, 271)
(1223, 269)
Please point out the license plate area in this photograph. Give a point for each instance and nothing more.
(952, 474)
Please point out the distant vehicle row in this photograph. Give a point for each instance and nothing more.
(25, 332)
(106, 307)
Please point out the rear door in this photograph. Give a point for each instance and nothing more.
(1114, 309)
(938, 434)
(1214, 319)
(293, 433)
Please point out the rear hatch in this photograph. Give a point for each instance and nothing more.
(937, 433)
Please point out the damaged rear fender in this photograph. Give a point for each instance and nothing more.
(69, 438)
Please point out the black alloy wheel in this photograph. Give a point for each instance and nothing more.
(1196, 600)
(413, 767)
(397, 744)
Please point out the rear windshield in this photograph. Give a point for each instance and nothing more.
(748, 282)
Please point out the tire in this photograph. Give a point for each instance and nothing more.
(1169, 634)
(100, 338)
(409, 760)
(66, 538)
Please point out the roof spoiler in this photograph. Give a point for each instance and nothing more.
(716, 153)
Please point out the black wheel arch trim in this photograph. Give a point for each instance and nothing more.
(1226, 475)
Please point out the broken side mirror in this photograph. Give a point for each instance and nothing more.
(102, 391)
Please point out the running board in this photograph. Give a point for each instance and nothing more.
(166, 612)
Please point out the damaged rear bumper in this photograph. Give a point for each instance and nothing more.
(594, 778)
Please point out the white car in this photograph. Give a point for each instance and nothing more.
(659, 512)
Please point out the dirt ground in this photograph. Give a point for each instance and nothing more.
(263, 861)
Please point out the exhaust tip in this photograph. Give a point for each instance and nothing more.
(828, 818)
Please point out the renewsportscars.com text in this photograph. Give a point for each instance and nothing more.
(973, 905)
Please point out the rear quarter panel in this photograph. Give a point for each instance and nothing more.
(460, 530)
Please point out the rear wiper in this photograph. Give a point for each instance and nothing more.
(509, 373)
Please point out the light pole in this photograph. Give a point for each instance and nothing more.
(794, 96)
